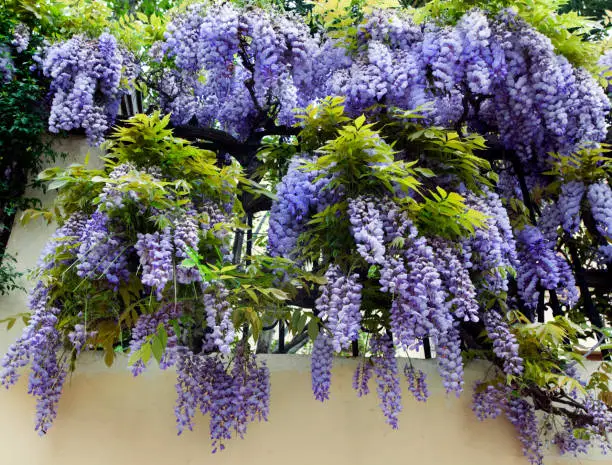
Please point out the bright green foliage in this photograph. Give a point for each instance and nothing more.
(144, 142)
(550, 357)
(588, 165)
(62, 18)
(23, 148)
(9, 276)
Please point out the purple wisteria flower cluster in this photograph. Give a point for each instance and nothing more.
(21, 37)
(155, 252)
(456, 279)
(300, 194)
(186, 237)
(450, 363)
(492, 249)
(102, 253)
(541, 266)
(79, 336)
(570, 199)
(232, 398)
(367, 229)
(361, 377)
(87, 83)
(218, 318)
(417, 383)
(147, 326)
(387, 377)
(273, 71)
(7, 67)
(321, 365)
(339, 307)
(491, 401)
(600, 200)
(505, 344)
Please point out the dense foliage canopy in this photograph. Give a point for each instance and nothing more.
(433, 175)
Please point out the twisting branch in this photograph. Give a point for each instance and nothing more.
(215, 138)
(589, 308)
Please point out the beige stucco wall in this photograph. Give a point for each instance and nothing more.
(108, 417)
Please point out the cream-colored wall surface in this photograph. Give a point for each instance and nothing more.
(108, 417)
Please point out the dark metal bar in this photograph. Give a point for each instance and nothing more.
(427, 347)
(124, 109)
(249, 238)
(139, 101)
(130, 105)
(554, 303)
(541, 307)
(272, 326)
(355, 348)
(281, 337)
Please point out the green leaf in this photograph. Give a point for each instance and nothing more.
(135, 356)
(157, 348)
(57, 184)
(109, 357)
(162, 334)
(372, 271)
(252, 295)
(278, 294)
(313, 329)
(145, 353)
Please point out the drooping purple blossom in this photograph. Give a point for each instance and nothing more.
(64, 241)
(231, 399)
(491, 249)
(186, 236)
(600, 200)
(491, 401)
(540, 265)
(21, 37)
(523, 417)
(417, 383)
(339, 307)
(456, 281)
(149, 325)
(549, 221)
(155, 252)
(505, 344)
(361, 377)
(387, 377)
(86, 83)
(321, 365)
(299, 195)
(218, 318)
(569, 205)
(450, 363)
(102, 253)
(79, 336)
(367, 229)
(7, 67)
(418, 309)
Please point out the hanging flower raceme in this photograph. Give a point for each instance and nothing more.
(88, 80)
(569, 202)
(541, 267)
(339, 307)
